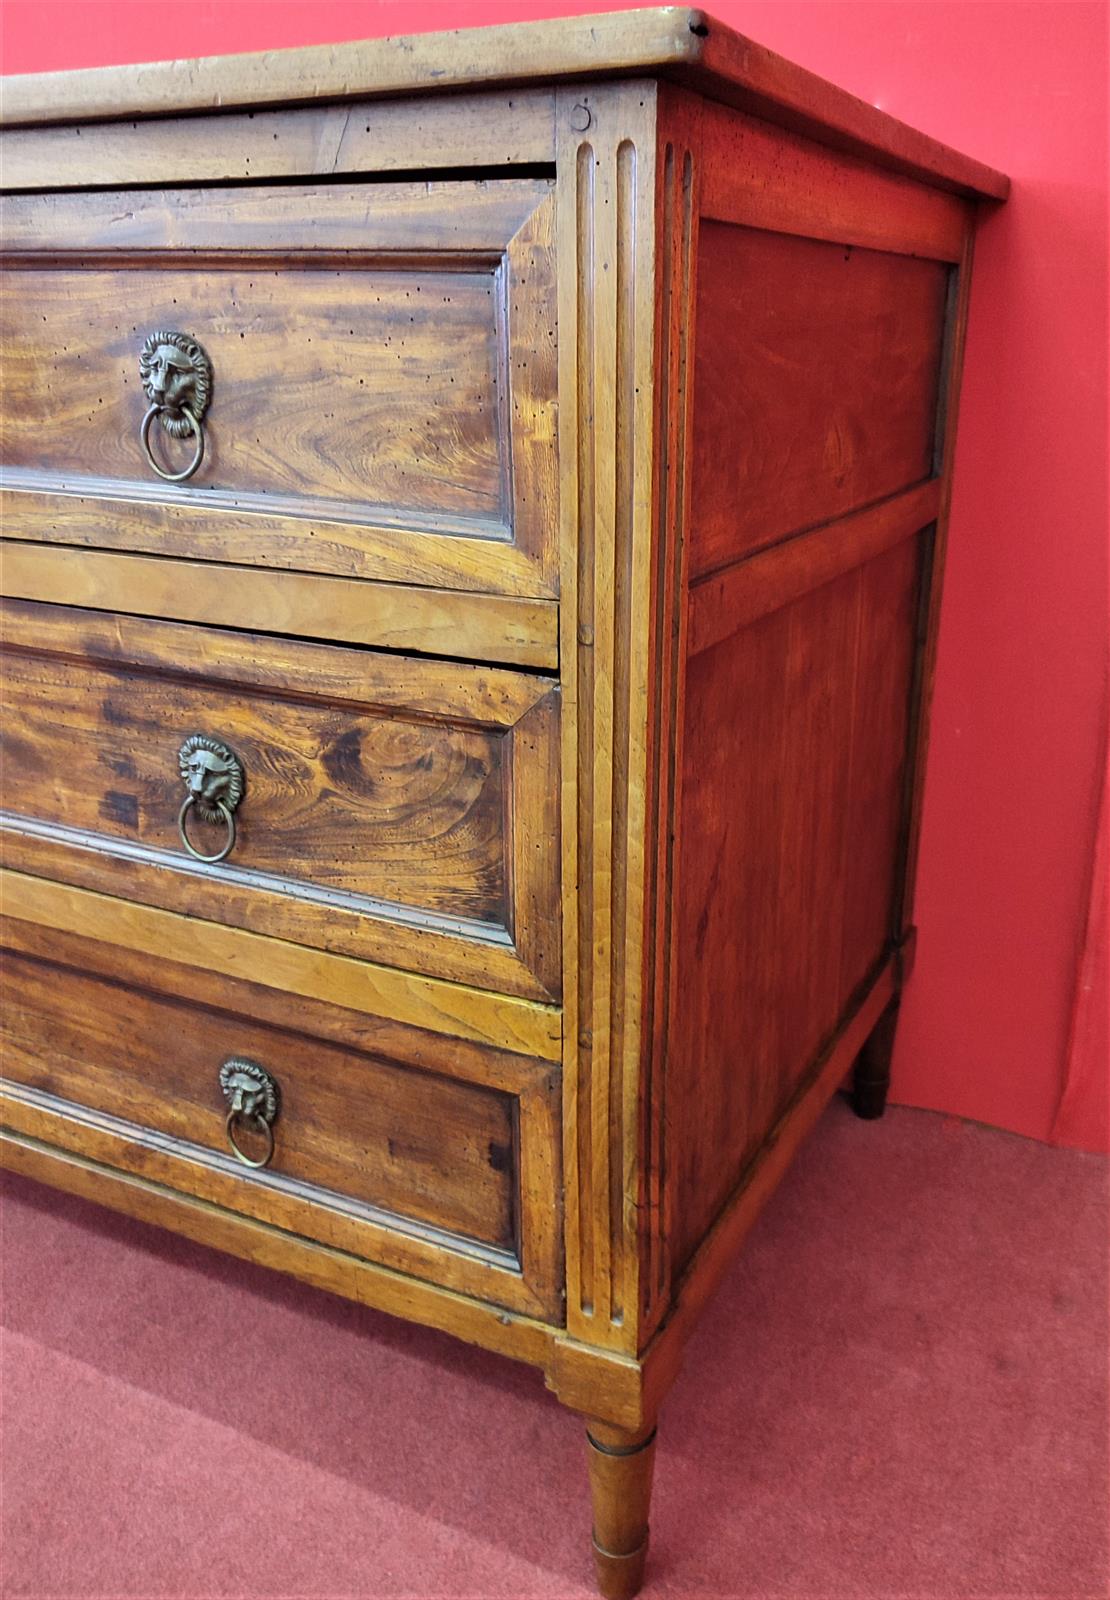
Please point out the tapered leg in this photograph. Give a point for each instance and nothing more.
(871, 1078)
(621, 1466)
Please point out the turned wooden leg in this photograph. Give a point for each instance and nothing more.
(621, 1467)
(871, 1078)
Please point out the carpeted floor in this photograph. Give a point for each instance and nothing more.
(900, 1391)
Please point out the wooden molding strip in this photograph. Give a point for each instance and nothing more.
(759, 176)
(724, 602)
(323, 1266)
(481, 130)
(606, 198)
(457, 692)
(675, 41)
(164, 521)
(451, 222)
(504, 1021)
(475, 627)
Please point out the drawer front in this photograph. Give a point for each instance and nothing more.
(376, 806)
(371, 372)
(430, 1155)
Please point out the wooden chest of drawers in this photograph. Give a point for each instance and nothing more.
(474, 517)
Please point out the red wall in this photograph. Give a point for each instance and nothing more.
(1004, 894)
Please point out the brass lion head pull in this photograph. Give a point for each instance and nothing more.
(214, 781)
(177, 380)
(253, 1096)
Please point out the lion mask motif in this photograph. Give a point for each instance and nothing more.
(212, 773)
(177, 376)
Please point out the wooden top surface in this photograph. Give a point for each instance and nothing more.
(674, 42)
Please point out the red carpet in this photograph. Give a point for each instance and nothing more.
(902, 1392)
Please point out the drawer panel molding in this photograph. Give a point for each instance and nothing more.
(383, 362)
(436, 1172)
(393, 809)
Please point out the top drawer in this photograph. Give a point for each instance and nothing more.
(381, 383)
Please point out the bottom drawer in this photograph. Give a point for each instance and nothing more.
(431, 1155)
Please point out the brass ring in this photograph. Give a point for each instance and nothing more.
(249, 1161)
(198, 456)
(229, 822)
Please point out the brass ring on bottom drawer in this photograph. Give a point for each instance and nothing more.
(261, 1123)
(229, 819)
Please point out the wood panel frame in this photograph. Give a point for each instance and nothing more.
(519, 711)
(504, 227)
(527, 1278)
(454, 1009)
(496, 130)
(387, 616)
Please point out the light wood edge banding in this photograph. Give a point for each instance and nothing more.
(724, 602)
(678, 41)
(507, 1023)
(495, 130)
(322, 1266)
(367, 1232)
(476, 627)
(606, 199)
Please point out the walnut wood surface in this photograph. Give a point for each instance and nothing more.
(453, 1009)
(792, 811)
(496, 130)
(621, 1471)
(606, 200)
(360, 1130)
(816, 384)
(380, 818)
(687, 44)
(385, 366)
(390, 616)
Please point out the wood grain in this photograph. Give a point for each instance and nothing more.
(682, 164)
(362, 1131)
(383, 365)
(453, 218)
(371, 827)
(453, 1009)
(759, 176)
(606, 200)
(621, 1471)
(791, 814)
(815, 388)
(724, 602)
(474, 130)
(686, 44)
(478, 627)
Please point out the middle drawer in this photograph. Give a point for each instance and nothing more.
(394, 809)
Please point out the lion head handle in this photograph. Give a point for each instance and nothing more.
(213, 775)
(177, 376)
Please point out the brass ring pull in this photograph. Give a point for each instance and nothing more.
(194, 426)
(229, 822)
(233, 1117)
(253, 1097)
(176, 376)
(214, 781)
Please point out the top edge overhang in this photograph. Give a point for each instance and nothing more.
(675, 43)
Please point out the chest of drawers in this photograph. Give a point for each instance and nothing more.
(474, 516)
